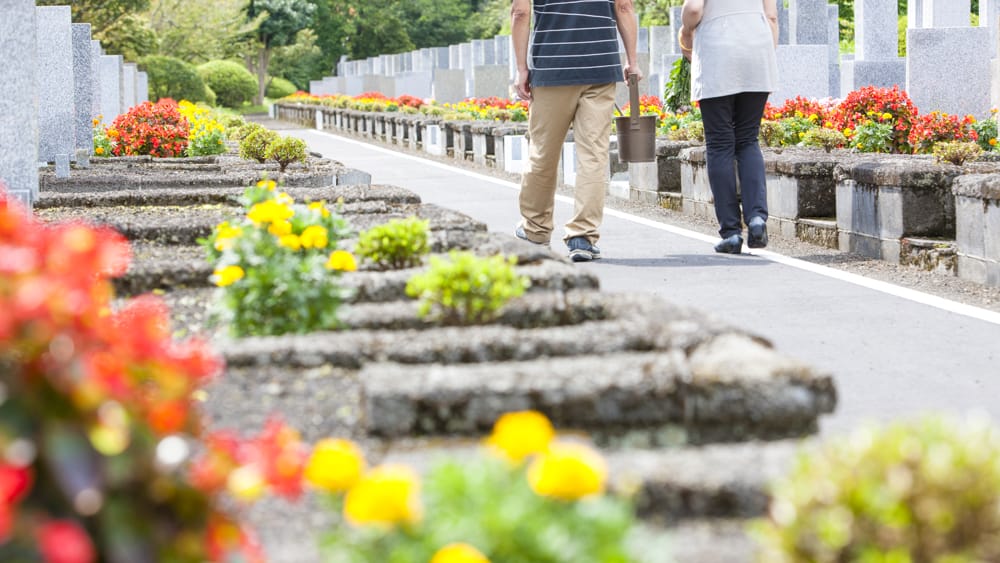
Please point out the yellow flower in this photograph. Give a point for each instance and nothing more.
(871, 114)
(568, 471)
(99, 151)
(229, 275)
(859, 145)
(315, 237)
(269, 184)
(269, 211)
(280, 228)
(320, 207)
(798, 113)
(828, 124)
(226, 235)
(388, 495)
(335, 465)
(802, 135)
(246, 483)
(292, 242)
(813, 117)
(459, 553)
(673, 127)
(847, 132)
(341, 260)
(518, 435)
(886, 115)
(96, 122)
(993, 142)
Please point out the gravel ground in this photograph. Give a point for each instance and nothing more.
(941, 285)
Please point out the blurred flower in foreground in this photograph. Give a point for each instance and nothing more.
(518, 435)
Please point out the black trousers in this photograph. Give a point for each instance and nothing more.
(732, 124)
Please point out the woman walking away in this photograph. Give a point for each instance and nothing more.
(731, 46)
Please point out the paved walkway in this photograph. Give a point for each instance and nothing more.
(894, 352)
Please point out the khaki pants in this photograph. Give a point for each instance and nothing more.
(589, 108)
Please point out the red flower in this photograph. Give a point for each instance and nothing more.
(15, 482)
(63, 541)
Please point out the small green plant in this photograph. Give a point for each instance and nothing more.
(873, 136)
(102, 143)
(398, 244)
(278, 267)
(240, 131)
(285, 151)
(986, 130)
(465, 289)
(278, 88)
(826, 139)
(918, 492)
(796, 128)
(772, 133)
(957, 152)
(695, 131)
(254, 145)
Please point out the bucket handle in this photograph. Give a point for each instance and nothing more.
(633, 97)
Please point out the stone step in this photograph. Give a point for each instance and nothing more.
(194, 196)
(647, 373)
(226, 171)
(185, 225)
(171, 267)
(821, 232)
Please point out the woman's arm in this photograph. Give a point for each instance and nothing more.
(771, 11)
(690, 18)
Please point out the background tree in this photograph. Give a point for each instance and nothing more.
(330, 28)
(435, 23)
(377, 29)
(281, 21)
(198, 31)
(301, 61)
(117, 24)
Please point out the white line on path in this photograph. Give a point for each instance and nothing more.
(881, 286)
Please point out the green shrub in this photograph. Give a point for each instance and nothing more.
(173, 78)
(238, 132)
(285, 151)
(254, 145)
(986, 130)
(873, 136)
(278, 88)
(912, 492)
(233, 84)
(772, 133)
(796, 128)
(465, 289)
(957, 152)
(398, 244)
(826, 139)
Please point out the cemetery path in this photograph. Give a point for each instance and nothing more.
(894, 352)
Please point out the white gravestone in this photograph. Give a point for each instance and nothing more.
(56, 110)
(19, 101)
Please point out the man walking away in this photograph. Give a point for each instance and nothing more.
(569, 79)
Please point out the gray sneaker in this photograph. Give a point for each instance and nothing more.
(580, 250)
(519, 233)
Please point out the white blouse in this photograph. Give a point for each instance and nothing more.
(733, 50)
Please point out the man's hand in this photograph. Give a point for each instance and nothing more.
(521, 85)
(685, 39)
(632, 69)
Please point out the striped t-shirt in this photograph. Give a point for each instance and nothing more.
(574, 42)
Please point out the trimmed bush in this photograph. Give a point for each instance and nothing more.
(398, 244)
(285, 151)
(233, 84)
(957, 152)
(156, 129)
(917, 492)
(170, 77)
(279, 88)
(254, 146)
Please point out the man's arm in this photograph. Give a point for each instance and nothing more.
(771, 12)
(520, 31)
(628, 29)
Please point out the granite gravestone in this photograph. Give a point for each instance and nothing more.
(19, 101)
(965, 87)
(111, 94)
(876, 46)
(56, 110)
(83, 92)
(946, 13)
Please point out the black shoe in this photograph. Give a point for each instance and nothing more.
(731, 245)
(757, 233)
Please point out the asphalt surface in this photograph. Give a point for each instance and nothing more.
(894, 352)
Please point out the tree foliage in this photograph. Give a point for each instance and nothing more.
(278, 25)
(198, 31)
(117, 24)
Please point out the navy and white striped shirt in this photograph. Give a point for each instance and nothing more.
(574, 42)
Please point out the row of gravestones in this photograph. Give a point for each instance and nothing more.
(57, 80)
(943, 50)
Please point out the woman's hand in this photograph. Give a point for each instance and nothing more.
(685, 39)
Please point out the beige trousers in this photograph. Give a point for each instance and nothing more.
(589, 108)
